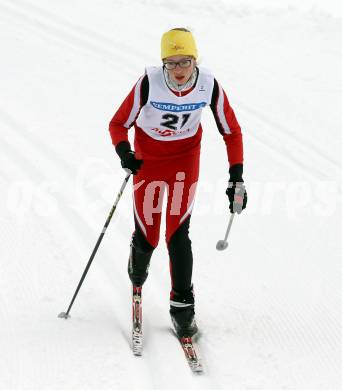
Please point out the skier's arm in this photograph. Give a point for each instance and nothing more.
(126, 115)
(227, 125)
(124, 119)
(230, 129)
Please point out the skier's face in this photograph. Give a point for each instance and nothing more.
(183, 66)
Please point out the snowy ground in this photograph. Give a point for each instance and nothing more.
(270, 307)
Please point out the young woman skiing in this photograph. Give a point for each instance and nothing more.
(165, 108)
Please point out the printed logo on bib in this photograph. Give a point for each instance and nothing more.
(169, 132)
(177, 107)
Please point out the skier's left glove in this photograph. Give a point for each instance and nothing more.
(236, 190)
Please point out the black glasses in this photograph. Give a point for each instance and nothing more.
(169, 65)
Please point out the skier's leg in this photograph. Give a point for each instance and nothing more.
(180, 255)
(148, 197)
(180, 203)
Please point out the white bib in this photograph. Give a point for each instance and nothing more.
(167, 117)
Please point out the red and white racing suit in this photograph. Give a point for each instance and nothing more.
(167, 138)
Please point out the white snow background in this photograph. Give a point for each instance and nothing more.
(270, 306)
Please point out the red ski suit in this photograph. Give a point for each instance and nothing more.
(171, 166)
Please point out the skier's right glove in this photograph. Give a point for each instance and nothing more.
(127, 157)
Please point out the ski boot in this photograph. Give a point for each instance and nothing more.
(138, 265)
(182, 311)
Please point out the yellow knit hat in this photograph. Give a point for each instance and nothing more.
(177, 42)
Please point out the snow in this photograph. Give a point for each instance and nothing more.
(270, 305)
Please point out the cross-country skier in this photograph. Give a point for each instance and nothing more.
(165, 107)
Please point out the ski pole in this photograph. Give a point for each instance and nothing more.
(66, 314)
(223, 244)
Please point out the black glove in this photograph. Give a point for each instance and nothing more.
(236, 190)
(127, 156)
